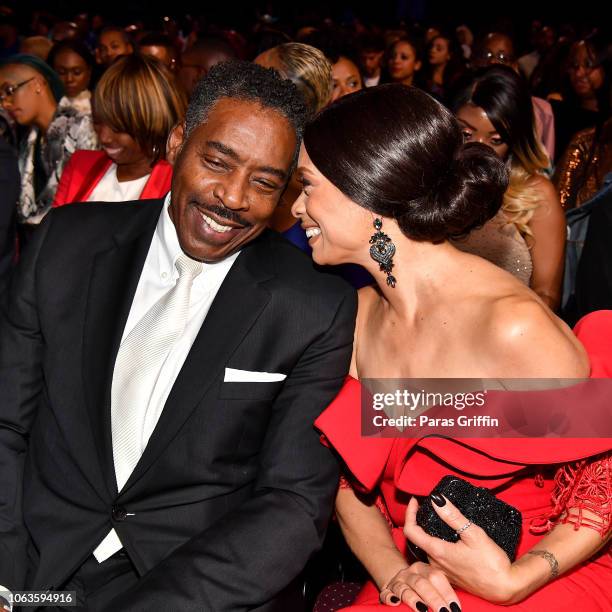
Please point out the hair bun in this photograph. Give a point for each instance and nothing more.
(466, 196)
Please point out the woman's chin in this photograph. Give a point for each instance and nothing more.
(322, 258)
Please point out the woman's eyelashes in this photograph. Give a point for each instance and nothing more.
(305, 183)
(494, 141)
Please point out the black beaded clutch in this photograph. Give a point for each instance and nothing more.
(501, 521)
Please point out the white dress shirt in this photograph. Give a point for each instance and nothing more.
(158, 276)
(111, 189)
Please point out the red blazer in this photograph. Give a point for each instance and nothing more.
(85, 169)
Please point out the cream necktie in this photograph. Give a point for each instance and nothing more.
(139, 361)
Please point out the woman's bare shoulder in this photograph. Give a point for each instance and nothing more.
(547, 192)
(531, 341)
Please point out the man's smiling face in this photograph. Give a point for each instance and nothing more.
(229, 174)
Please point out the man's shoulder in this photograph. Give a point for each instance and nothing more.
(92, 213)
(87, 224)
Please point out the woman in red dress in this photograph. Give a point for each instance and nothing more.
(386, 183)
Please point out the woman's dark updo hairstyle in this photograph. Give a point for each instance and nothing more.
(398, 152)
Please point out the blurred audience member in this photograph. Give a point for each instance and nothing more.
(543, 38)
(74, 63)
(306, 67)
(42, 23)
(9, 192)
(198, 59)
(581, 171)
(498, 48)
(403, 61)
(432, 32)
(8, 128)
(40, 46)
(593, 288)
(31, 91)
(445, 65)
(136, 103)
(466, 39)
(112, 43)
(311, 72)
(586, 100)
(527, 237)
(161, 47)
(9, 36)
(371, 52)
(64, 30)
(346, 77)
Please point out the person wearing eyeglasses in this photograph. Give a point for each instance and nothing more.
(31, 91)
(586, 98)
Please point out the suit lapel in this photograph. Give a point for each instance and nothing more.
(240, 301)
(114, 278)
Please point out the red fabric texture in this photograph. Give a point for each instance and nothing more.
(85, 169)
(523, 472)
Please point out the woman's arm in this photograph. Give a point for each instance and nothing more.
(548, 250)
(561, 550)
(367, 533)
(583, 506)
(478, 565)
(570, 167)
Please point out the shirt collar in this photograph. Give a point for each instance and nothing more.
(170, 248)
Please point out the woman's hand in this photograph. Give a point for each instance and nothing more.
(475, 563)
(421, 587)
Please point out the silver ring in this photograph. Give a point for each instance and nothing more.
(462, 529)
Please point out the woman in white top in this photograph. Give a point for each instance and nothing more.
(136, 103)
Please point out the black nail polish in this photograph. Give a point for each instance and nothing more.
(455, 607)
(439, 501)
(421, 607)
(443, 610)
(394, 599)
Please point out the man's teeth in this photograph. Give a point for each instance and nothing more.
(312, 231)
(216, 226)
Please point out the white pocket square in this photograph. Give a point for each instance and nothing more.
(233, 375)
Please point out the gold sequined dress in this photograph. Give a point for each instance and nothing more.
(575, 189)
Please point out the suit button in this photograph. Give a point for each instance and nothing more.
(119, 513)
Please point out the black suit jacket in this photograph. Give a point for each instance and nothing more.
(594, 276)
(234, 490)
(9, 191)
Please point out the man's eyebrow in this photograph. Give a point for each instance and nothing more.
(219, 146)
(275, 171)
(225, 150)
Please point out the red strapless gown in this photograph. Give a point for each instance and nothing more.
(539, 477)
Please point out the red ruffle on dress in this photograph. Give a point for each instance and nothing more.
(576, 474)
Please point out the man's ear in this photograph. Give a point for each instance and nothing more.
(175, 142)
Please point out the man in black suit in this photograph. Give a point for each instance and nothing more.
(9, 191)
(205, 487)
